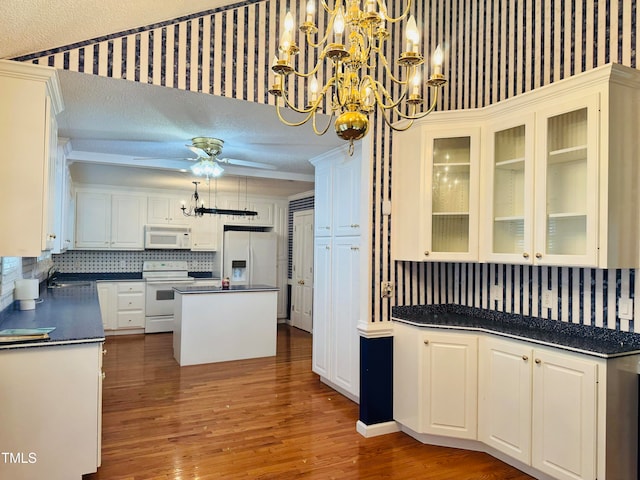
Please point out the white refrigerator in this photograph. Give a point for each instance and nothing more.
(249, 258)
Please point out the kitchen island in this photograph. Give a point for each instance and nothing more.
(51, 389)
(216, 325)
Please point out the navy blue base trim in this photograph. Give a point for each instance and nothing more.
(376, 380)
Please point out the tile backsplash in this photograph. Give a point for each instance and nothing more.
(105, 261)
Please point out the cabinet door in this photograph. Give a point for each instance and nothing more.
(567, 184)
(345, 279)
(450, 397)
(128, 213)
(564, 415)
(322, 306)
(346, 196)
(323, 200)
(453, 157)
(204, 233)
(506, 228)
(407, 377)
(93, 220)
(49, 228)
(504, 419)
(107, 300)
(161, 210)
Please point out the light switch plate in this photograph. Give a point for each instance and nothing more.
(547, 299)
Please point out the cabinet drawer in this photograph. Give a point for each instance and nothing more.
(131, 319)
(131, 287)
(131, 302)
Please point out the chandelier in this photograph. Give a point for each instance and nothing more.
(196, 207)
(352, 48)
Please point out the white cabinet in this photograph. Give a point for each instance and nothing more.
(204, 233)
(130, 297)
(566, 414)
(505, 397)
(110, 221)
(435, 381)
(335, 313)
(559, 173)
(63, 203)
(51, 406)
(435, 193)
(339, 263)
(540, 407)
(122, 304)
(30, 102)
(165, 210)
(107, 300)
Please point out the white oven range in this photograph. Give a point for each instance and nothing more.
(160, 278)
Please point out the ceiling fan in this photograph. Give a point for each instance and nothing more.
(208, 164)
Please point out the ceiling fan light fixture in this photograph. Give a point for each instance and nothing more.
(207, 168)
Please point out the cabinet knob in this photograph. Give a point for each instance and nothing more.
(104, 351)
(103, 375)
(300, 282)
(525, 255)
(538, 255)
(525, 358)
(538, 361)
(426, 342)
(354, 225)
(426, 253)
(355, 248)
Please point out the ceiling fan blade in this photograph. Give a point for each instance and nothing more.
(195, 150)
(246, 163)
(167, 158)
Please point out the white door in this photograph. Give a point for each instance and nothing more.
(302, 275)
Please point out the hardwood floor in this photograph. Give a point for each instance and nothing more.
(267, 418)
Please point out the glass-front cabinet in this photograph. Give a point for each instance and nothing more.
(566, 188)
(542, 190)
(508, 216)
(435, 194)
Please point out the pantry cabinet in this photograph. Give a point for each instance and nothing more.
(435, 193)
(31, 100)
(339, 260)
(109, 221)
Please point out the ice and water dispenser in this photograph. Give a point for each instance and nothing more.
(238, 271)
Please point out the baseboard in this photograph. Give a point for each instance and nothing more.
(376, 429)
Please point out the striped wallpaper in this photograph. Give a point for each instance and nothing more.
(493, 50)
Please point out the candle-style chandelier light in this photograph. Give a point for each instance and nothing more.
(352, 48)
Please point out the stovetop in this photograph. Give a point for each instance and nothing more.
(170, 270)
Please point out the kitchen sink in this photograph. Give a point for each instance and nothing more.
(69, 284)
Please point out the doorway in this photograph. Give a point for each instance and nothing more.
(302, 271)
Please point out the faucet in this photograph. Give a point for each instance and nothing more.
(52, 275)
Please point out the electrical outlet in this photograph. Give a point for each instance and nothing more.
(547, 299)
(386, 289)
(496, 292)
(625, 308)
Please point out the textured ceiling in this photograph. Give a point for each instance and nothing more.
(111, 122)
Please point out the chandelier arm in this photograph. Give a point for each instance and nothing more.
(310, 73)
(323, 131)
(395, 19)
(426, 112)
(379, 99)
(293, 124)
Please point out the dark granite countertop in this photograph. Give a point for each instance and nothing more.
(97, 276)
(188, 289)
(73, 311)
(600, 342)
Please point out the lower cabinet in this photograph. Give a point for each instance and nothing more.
(554, 412)
(54, 435)
(122, 305)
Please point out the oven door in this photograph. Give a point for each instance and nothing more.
(160, 298)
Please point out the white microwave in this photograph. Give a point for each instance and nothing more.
(167, 237)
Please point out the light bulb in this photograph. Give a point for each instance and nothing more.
(412, 35)
(288, 22)
(313, 89)
(415, 83)
(311, 9)
(437, 60)
(338, 25)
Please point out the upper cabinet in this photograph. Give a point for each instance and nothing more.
(435, 193)
(558, 183)
(165, 210)
(30, 101)
(110, 221)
